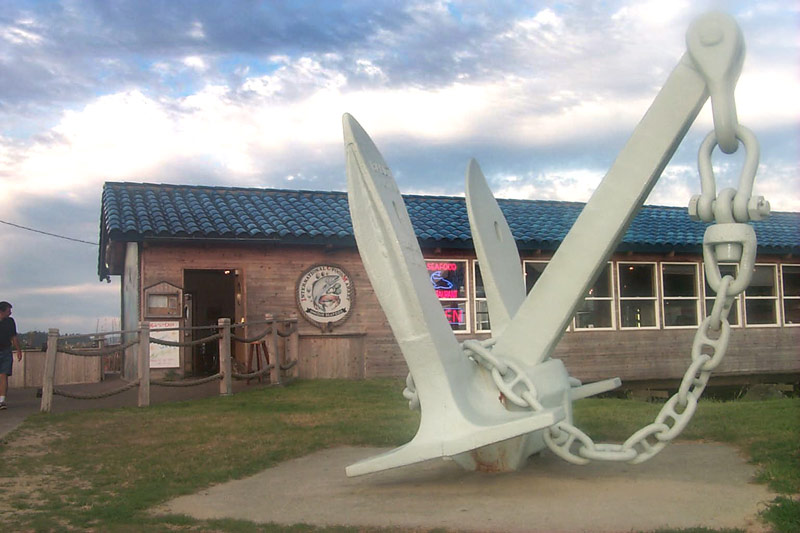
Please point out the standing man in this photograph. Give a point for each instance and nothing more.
(8, 337)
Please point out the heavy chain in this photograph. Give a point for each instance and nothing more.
(570, 443)
(573, 445)
(707, 352)
(507, 376)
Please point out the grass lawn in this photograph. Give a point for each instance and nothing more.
(102, 470)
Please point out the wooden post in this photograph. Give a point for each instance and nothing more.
(49, 370)
(275, 373)
(225, 384)
(144, 364)
(293, 344)
(101, 343)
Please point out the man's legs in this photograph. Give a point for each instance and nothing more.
(3, 388)
(6, 360)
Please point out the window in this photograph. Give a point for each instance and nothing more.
(724, 270)
(761, 297)
(481, 307)
(533, 271)
(681, 301)
(449, 280)
(790, 277)
(637, 295)
(596, 311)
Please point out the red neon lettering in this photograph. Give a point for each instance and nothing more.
(442, 266)
(454, 315)
(441, 293)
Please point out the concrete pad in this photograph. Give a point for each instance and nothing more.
(687, 485)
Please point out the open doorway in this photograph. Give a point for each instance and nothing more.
(212, 296)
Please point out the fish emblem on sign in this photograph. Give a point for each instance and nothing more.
(325, 295)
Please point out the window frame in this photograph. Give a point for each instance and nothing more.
(709, 299)
(544, 262)
(784, 297)
(654, 299)
(476, 299)
(775, 299)
(696, 297)
(466, 299)
(611, 299)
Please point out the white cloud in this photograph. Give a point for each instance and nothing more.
(370, 69)
(651, 13)
(276, 124)
(768, 97)
(22, 32)
(114, 137)
(675, 187)
(197, 31)
(546, 25)
(196, 63)
(575, 185)
(83, 289)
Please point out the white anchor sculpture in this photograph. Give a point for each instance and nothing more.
(490, 404)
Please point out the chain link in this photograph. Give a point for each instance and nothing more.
(708, 348)
(573, 445)
(410, 393)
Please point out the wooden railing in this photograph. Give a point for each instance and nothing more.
(283, 360)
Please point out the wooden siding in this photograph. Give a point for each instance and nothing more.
(69, 369)
(269, 275)
(665, 355)
(364, 346)
(324, 356)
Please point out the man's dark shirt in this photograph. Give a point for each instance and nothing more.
(8, 330)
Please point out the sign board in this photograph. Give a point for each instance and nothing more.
(164, 356)
(325, 295)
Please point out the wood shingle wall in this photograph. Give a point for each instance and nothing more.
(364, 346)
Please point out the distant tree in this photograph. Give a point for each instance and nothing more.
(33, 340)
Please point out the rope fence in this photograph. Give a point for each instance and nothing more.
(98, 352)
(283, 356)
(187, 343)
(95, 396)
(183, 383)
(250, 340)
(253, 375)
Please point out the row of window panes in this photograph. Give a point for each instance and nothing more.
(638, 295)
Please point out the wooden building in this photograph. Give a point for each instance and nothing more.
(188, 255)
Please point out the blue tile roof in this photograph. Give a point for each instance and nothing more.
(144, 211)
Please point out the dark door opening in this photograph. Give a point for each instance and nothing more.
(213, 297)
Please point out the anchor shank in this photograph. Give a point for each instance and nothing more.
(544, 315)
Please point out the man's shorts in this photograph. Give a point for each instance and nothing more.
(6, 361)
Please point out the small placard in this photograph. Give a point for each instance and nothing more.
(164, 356)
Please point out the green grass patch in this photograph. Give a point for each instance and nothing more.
(768, 431)
(103, 470)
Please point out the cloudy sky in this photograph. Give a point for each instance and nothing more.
(250, 93)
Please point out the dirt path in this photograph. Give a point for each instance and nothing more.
(687, 485)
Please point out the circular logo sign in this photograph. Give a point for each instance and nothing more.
(325, 295)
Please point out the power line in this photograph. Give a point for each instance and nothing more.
(46, 233)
